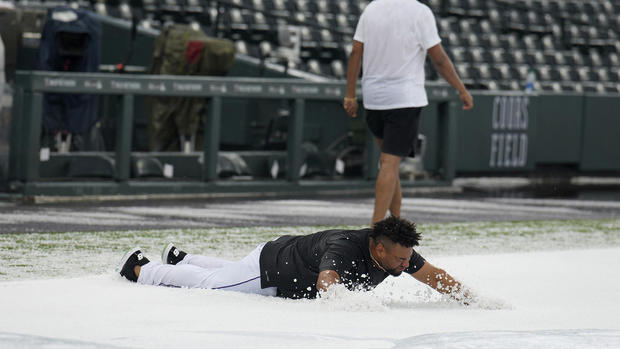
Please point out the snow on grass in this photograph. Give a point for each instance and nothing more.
(540, 284)
(45, 255)
(545, 299)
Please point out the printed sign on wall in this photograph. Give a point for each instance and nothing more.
(509, 139)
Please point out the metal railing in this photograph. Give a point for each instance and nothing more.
(31, 86)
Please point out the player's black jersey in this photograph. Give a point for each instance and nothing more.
(292, 263)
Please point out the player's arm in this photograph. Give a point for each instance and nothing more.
(353, 71)
(443, 282)
(326, 279)
(445, 68)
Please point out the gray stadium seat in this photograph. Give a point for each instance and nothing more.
(493, 43)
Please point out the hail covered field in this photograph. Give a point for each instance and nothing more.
(545, 272)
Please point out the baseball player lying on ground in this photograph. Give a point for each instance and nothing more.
(302, 266)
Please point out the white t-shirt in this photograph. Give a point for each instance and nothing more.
(396, 35)
(2, 79)
(1, 65)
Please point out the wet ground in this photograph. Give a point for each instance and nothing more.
(521, 308)
(467, 200)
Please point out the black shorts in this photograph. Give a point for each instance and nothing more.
(398, 128)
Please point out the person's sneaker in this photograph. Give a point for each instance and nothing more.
(172, 255)
(131, 259)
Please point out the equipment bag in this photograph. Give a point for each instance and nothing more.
(182, 50)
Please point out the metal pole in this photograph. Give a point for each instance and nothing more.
(215, 26)
(18, 115)
(295, 135)
(449, 131)
(212, 140)
(124, 126)
(371, 165)
(32, 134)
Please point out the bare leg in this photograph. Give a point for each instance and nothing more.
(397, 197)
(387, 189)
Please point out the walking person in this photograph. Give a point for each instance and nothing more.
(391, 41)
(301, 266)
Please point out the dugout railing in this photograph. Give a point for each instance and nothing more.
(25, 158)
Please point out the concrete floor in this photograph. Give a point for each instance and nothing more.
(465, 201)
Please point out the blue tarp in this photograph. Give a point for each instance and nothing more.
(70, 41)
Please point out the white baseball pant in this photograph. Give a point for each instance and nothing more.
(196, 271)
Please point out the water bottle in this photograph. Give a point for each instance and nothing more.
(530, 80)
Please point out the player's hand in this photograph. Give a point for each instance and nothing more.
(467, 99)
(350, 105)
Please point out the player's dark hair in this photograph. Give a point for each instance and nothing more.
(398, 230)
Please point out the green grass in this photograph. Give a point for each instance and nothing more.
(73, 254)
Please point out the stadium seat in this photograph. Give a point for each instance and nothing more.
(612, 88)
(509, 85)
(125, 11)
(550, 86)
(498, 55)
(603, 75)
(532, 42)
(481, 55)
(150, 6)
(503, 70)
(483, 71)
(461, 54)
(491, 85)
(241, 47)
(549, 43)
(197, 9)
(172, 10)
(265, 49)
(338, 69)
(554, 73)
(322, 20)
(429, 71)
(100, 7)
(548, 58)
(522, 71)
(345, 22)
(261, 29)
(492, 43)
(315, 67)
(307, 7)
(567, 86)
(543, 73)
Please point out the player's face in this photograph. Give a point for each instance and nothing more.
(396, 258)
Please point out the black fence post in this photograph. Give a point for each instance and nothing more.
(212, 139)
(17, 117)
(123, 139)
(32, 135)
(295, 136)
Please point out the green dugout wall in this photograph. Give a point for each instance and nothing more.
(497, 135)
(506, 133)
(513, 133)
(600, 150)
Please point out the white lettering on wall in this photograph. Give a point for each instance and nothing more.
(60, 82)
(125, 85)
(509, 141)
(186, 86)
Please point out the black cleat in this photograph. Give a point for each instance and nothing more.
(172, 255)
(131, 259)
